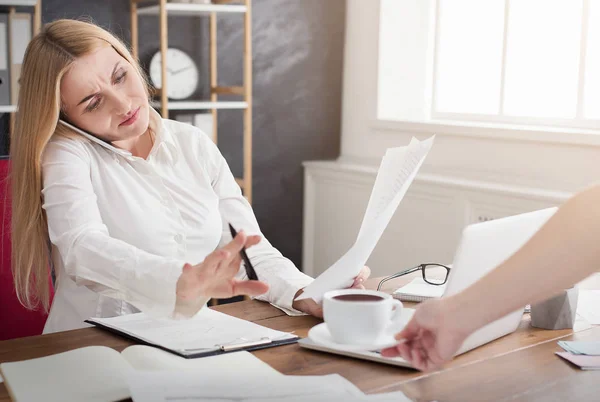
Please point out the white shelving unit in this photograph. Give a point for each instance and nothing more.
(163, 10)
(18, 3)
(8, 108)
(200, 105)
(183, 9)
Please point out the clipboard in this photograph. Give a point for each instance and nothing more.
(262, 341)
(246, 346)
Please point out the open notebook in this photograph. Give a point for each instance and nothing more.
(146, 374)
(99, 373)
(207, 333)
(186, 387)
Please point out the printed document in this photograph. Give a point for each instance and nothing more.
(397, 171)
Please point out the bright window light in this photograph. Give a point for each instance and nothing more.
(494, 61)
(469, 56)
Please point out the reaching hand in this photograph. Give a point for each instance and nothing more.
(431, 338)
(309, 306)
(215, 276)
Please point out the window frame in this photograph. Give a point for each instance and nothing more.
(578, 130)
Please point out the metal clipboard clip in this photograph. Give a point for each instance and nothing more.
(244, 345)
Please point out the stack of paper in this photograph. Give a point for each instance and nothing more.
(585, 355)
(418, 290)
(185, 386)
(396, 173)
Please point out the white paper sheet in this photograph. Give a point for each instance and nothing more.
(397, 171)
(93, 374)
(231, 386)
(418, 287)
(588, 305)
(224, 386)
(206, 331)
(147, 358)
(333, 396)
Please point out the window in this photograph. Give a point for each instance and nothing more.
(500, 61)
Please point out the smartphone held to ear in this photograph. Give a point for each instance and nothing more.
(93, 138)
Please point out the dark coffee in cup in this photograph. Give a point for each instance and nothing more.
(358, 298)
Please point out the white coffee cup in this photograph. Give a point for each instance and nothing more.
(361, 317)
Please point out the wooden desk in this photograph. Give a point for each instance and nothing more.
(530, 374)
(519, 366)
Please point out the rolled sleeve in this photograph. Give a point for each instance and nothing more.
(271, 266)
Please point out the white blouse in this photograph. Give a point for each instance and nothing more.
(122, 227)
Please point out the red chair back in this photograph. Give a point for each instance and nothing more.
(15, 320)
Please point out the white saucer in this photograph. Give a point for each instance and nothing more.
(320, 334)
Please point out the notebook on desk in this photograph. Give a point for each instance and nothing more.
(206, 334)
(100, 373)
(418, 290)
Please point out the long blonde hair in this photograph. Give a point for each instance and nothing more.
(47, 58)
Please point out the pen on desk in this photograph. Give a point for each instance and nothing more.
(247, 264)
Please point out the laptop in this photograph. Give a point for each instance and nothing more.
(483, 246)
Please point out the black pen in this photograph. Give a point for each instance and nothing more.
(247, 264)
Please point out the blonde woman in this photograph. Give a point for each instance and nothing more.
(134, 216)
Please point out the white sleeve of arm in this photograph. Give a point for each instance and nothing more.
(91, 257)
(271, 266)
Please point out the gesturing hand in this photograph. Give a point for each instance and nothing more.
(215, 276)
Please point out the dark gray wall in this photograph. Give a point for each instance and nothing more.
(297, 73)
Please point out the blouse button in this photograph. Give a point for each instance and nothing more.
(178, 238)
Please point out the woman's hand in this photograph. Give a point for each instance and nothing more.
(309, 306)
(215, 277)
(431, 338)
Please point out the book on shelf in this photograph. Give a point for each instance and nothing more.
(4, 60)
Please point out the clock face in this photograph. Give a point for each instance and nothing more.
(182, 74)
